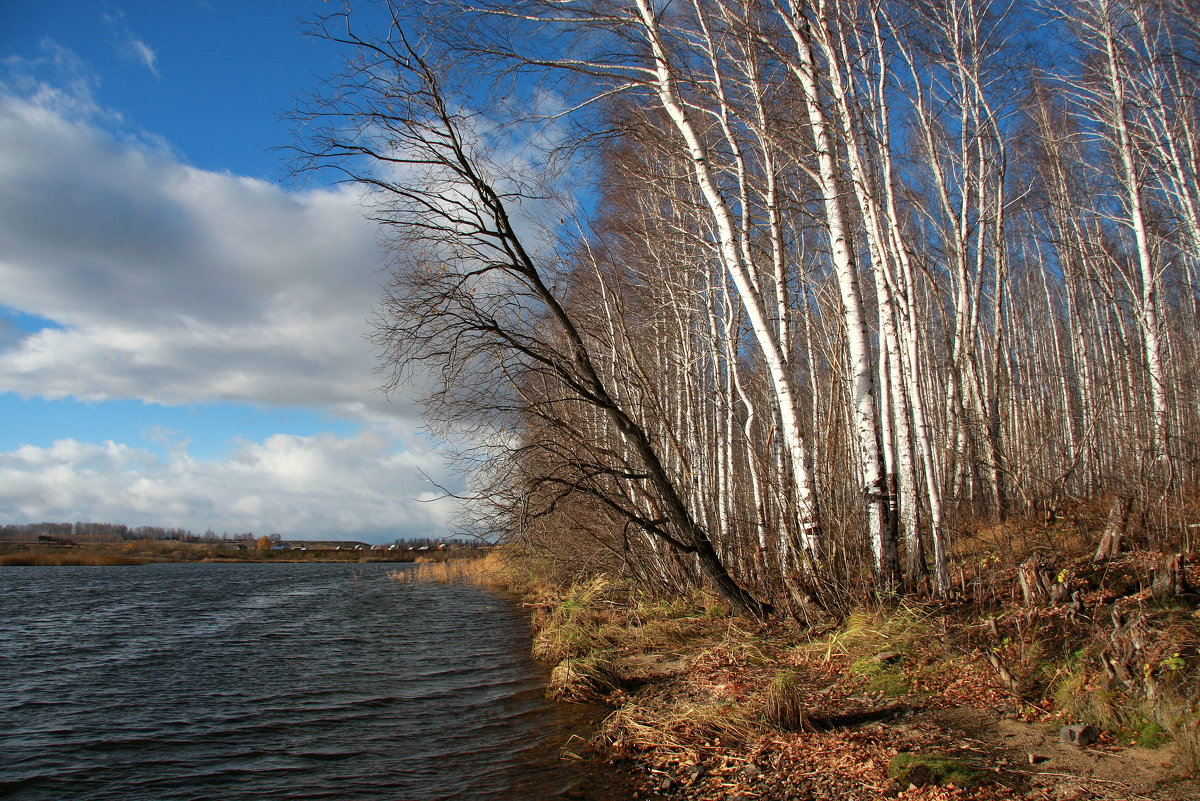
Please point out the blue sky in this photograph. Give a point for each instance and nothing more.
(182, 331)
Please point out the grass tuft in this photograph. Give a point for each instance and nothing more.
(785, 710)
(582, 680)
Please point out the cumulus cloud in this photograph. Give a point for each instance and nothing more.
(173, 284)
(365, 486)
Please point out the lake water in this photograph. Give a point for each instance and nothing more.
(274, 681)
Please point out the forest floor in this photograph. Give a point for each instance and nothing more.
(898, 702)
(684, 731)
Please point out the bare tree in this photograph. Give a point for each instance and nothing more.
(471, 300)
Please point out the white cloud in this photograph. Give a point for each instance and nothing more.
(178, 286)
(365, 486)
(128, 44)
(173, 284)
(145, 54)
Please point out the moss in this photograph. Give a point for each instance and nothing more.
(881, 678)
(923, 770)
(867, 666)
(889, 683)
(1146, 734)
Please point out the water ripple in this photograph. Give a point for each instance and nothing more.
(240, 682)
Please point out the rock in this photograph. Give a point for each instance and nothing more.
(887, 657)
(696, 772)
(1079, 735)
(752, 771)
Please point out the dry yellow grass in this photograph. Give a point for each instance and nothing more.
(487, 571)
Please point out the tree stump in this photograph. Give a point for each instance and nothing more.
(1169, 578)
(1079, 735)
(1114, 529)
(1030, 575)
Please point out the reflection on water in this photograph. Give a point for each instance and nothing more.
(272, 681)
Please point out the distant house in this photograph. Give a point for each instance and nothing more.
(322, 545)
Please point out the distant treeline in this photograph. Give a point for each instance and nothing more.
(108, 532)
(116, 532)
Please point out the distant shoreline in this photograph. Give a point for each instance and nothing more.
(154, 552)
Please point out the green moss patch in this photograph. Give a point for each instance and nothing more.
(924, 770)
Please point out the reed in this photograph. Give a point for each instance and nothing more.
(492, 570)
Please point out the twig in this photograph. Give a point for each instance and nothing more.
(1112, 782)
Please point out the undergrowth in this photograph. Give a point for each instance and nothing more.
(1121, 663)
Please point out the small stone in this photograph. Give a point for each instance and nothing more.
(887, 657)
(752, 771)
(696, 772)
(1081, 736)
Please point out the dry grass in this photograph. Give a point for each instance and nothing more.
(583, 680)
(65, 558)
(907, 628)
(678, 732)
(492, 570)
(699, 696)
(785, 708)
(584, 622)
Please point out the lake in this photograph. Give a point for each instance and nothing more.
(275, 681)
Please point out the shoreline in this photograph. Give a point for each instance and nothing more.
(689, 723)
(922, 701)
(135, 553)
(107, 560)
